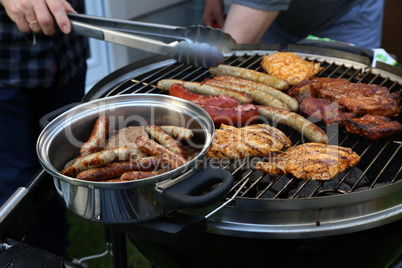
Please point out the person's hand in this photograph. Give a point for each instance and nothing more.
(37, 15)
(213, 13)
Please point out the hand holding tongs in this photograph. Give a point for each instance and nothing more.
(200, 46)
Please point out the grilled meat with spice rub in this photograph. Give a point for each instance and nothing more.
(311, 161)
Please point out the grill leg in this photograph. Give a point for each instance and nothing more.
(119, 247)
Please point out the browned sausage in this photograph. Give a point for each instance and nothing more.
(165, 140)
(200, 88)
(283, 97)
(116, 169)
(98, 136)
(180, 133)
(241, 115)
(252, 75)
(257, 95)
(295, 121)
(152, 148)
(100, 158)
(138, 175)
(178, 90)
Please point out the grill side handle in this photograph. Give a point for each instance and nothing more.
(205, 187)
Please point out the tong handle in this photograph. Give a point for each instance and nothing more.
(214, 37)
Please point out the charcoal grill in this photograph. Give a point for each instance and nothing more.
(282, 213)
(352, 220)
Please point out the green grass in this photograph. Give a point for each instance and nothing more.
(87, 238)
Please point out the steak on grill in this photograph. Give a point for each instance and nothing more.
(325, 110)
(312, 161)
(373, 127)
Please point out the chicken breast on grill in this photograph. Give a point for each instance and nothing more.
(290, 67)
(311, 161)
(254, 140)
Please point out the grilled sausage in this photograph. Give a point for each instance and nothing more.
(178, 90)
(252, 75)
(100, 158)
(98, 136)
(295, 121)
(138, 175)
(116, 169)
(200, 88)
(257, 95)
(180, 133)
(285, 98)
(155, 149)
(165, 140)
(236, 116)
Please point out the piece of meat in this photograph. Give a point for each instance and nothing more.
(152, 148)
(98, 136)
(138, 175)
(163, 138)
(100, 158)
(116, 169)
(180, 133)
(290, 67)
(362, 99)
(241, 115)
(252, 75)
(373, 127)
(224, 101)
(255, 140)
(308, 88)
(295, 121)
(258, 96)
(322, 109)
(311, 161)
(282, 96)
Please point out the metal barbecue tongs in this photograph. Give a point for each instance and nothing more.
(194, 45)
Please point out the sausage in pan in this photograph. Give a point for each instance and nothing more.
(252, 75)
(200, 88)
(165, 140)
(100, 158)
(180, 133)
(138, 175)
(116, 169)
(98, 136)
(295, 121)
(152, 148)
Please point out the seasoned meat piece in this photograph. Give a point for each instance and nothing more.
(363, 99)
(126, 137)
(373, 127)
(308, 88)
(311, 161)
(254, 140)
(327, 111)
(290, 67)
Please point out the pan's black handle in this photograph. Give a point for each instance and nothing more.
(45, 120)
(194, 192)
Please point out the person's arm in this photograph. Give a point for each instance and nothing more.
(37, 15)
(248, 25)
(214, 13)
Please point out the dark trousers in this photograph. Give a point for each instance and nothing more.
(20, 111)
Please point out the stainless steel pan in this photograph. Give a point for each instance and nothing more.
(122, 202)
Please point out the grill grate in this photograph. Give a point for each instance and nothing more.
(381, 161)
